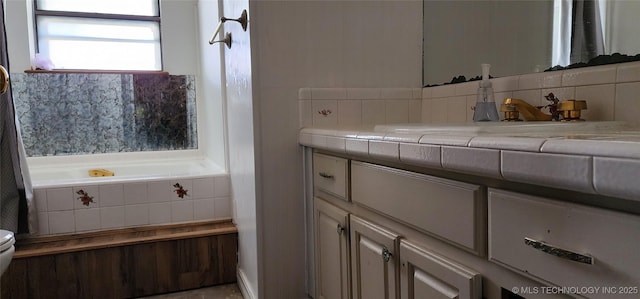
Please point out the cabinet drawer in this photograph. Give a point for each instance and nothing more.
(330, 175)
(554, 241)
(447, 209)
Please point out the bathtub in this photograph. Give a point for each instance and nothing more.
(147, 189)
(59, 171)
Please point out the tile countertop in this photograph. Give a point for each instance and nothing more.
(593, 157)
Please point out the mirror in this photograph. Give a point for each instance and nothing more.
(523, 36)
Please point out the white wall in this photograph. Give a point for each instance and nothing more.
(241, 144)
(179, 36)
(210, 86)
(340, 43)
(19, 29)
(298, 44)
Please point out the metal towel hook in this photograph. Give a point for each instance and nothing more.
(243, 20)
(226, 40)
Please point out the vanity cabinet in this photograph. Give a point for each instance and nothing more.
(424, 224)
(356, 257)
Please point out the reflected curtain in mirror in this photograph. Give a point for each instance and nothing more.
(587, 38)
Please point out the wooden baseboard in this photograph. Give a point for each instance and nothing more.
(125, 263)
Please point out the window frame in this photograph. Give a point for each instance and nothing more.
(104, 16)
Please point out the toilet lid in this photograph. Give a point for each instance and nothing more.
(6, 240)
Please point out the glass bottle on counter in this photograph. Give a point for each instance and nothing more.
(485, 109)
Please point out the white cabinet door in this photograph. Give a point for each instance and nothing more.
(332, 251)
(374, 261)
(425, 274)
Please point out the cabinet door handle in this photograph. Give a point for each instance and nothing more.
(340, 229)
(386, 254)
(325, 175)
(559, 252)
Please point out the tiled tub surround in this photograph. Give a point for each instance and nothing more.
(603, 163)
(130, 201)
(76, 113)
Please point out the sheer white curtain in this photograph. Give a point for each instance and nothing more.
(561, 32)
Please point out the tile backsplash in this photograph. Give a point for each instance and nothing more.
(82, 208)
(358, 106)
(611, 92)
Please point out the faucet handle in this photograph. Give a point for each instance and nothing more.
(571, 109)
(510, 111)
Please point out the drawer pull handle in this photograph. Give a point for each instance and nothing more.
(339, 229)
(326, 175)
(559, 252)
(386, 255)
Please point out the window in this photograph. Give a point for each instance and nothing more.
(99, 34)
(85, 113)
(65, 114)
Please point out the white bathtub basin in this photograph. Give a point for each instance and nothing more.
(74, 170)
(505, 127)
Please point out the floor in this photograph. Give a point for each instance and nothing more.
(226, 291)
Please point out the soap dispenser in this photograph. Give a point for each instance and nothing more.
(485, 109)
